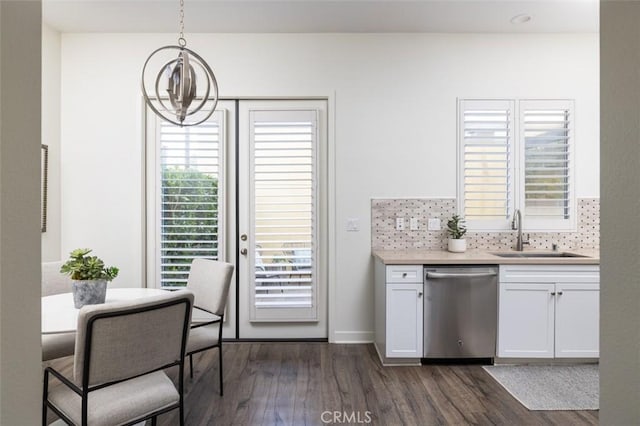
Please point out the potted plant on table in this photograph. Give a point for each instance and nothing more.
(89, 276)
(456, 230)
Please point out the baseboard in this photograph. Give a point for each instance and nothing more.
(545, 361)
(352, 337)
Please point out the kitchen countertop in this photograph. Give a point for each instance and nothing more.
(480, 257)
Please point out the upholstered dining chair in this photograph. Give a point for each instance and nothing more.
(209, 280)
(121, 351)
(55, 282)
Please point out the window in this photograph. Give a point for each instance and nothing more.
(187, 197)
(516, 154)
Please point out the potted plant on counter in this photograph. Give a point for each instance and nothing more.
(89, 276)
(456, 230)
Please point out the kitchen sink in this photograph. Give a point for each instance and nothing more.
(534, 254)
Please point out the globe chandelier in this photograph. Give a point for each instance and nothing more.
(184, 90)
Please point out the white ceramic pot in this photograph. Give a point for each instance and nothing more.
(457, 246)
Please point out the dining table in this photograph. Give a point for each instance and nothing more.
(59, 314)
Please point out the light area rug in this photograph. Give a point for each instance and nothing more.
(550, 387)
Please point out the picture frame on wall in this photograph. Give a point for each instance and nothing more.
(44, 167)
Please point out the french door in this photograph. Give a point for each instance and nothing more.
(245, 187)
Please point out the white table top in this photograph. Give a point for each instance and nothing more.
(60, 316)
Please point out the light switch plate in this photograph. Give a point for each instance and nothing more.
(413, 224)
(399, 223)
(433, 224)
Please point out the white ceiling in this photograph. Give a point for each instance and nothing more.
(321, 16)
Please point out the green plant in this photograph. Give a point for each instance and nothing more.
(455, 227)
(83, 267)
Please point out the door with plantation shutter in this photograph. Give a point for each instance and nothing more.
(186, 201)
(282, 291)
(254, 200)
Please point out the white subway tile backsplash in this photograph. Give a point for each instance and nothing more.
(385, 237)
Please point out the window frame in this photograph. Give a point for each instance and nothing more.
(517, 166)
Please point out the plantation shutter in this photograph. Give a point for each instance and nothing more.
(547, 133)
(283, 181)
(190, 174)
(486, 162)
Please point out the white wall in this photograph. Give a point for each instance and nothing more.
(395, 125)
(620, 263)
(51, 43)
(20, 347)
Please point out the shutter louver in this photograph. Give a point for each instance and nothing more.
(284, 200)
(190, 177)
(487, 158)
(547, 162)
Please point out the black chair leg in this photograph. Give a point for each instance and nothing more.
(220, 364)
(45, 396)
(191, 366)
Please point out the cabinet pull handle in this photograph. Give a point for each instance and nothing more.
(404, 275)
(559, 293)
(419, 294)
(553, 293)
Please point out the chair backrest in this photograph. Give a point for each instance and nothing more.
(210, 280)
(126, 339)
(54, 281)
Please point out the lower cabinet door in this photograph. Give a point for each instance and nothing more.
(577, 320)
(526, 320)
(404, 320)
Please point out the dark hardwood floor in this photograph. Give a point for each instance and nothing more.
(319, 383)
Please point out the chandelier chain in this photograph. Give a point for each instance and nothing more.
(181, 40)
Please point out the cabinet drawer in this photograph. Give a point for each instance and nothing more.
(549, 273)
(404, 274)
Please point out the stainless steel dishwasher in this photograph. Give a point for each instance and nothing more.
(460, 312)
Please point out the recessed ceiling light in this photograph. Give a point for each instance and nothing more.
(521, 19)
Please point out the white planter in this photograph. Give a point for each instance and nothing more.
(457, 246)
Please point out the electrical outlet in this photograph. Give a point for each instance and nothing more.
(433, 224)
(413, 224)
(399, 223)
(353, 224)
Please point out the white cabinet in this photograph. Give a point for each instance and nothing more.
(398, 313)
(404, 320)
(577, 321)
(525, 320)
(548, 311)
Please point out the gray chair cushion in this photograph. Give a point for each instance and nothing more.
(57, 345)
(209, 280)
(131, 344)
(202, 337)
(107, 407)
(54, 281)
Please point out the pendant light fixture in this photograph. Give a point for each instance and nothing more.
(184, 91)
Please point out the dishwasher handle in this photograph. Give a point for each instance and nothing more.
(437, 275)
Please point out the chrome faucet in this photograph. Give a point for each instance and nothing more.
(516, 224)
